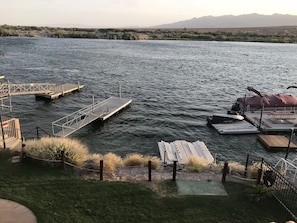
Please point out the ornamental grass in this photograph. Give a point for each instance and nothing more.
(136, 159)
(49, 148)
(197, 164)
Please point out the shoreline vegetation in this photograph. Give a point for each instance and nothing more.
(279, 34)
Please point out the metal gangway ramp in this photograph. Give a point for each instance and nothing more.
(7, 90)
(69, 124)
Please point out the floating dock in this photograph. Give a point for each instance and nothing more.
(103, 110)
(239, 127)
(276, 142)
(181, 151)
(60, 91)
(273, 121)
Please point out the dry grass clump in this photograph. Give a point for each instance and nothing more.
(234, 167)
(50, 148)
(111, 161)
(133, 159)
(197, 164)
(155, 161)
(93, 161)
(136, 159)
(253, 170)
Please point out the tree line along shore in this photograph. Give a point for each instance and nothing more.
(281, 34)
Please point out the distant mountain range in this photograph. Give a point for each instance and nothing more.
(231, 21)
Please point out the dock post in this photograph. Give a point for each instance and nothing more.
(37, 132)
(120, 91)
(174, 170)
(62, 89)
(101, 169)
(289, 144)
(149, 170)
(261, 116)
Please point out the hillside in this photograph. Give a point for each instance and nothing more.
(282, 34)
(231, 21)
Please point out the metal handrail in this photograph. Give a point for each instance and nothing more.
(8, 89)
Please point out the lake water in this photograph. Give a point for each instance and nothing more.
(174, 85)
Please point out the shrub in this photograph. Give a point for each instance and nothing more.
(259, 192)
(253, 170)
(236, 167)
(93, 161)
(196, 163)
(50, 148)
(133, 159)
(111, 161)
(155, 161)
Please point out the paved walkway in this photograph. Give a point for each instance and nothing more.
(12, 212)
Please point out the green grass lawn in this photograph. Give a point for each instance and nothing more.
(55, 195)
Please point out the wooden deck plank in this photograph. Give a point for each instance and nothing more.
(275, 142)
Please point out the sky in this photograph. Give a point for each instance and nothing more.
(130, 13)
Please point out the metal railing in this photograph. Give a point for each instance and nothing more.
(76, 120)
(283, 189)
(8, 89)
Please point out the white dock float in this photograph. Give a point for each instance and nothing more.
(60, 91)
(240, 127)
(67, 125)
(181, 151)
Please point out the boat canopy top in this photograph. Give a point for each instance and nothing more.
(269, 101)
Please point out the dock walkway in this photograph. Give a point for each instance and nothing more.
(60, 91)
(103, 110)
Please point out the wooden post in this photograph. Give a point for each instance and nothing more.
(37, 132)
(259, 174)
(149, 170)
(174, 170)
(101, 169)
(2, 131)
(63, 160)
(289, 145)
(258, 181)
(23, 150)
(246, 165)
(225, 172)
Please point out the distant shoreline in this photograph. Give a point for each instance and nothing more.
(277, 34)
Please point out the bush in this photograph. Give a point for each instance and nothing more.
(111, 161)
(155, 161)
(133, 159)
(253, 170)
(259, 192)
(50, 148)
(197, 164)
